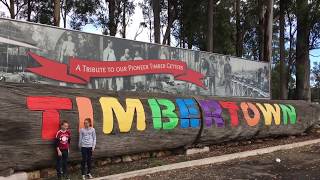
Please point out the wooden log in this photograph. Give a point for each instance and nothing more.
(23, 146)
(306, 115)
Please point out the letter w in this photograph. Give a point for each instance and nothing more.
(270, 111)
(124, 117)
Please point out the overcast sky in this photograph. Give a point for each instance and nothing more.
(132, 27)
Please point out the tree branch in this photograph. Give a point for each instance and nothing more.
(5, 3)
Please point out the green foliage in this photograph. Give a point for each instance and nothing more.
(85, 12)
(41, 11)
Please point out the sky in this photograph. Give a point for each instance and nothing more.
(133, 26)
(315, 55)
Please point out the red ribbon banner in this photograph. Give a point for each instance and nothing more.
(80, 71)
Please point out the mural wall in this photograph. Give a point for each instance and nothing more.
(33, 53)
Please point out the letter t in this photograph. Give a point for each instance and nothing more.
(50, 115)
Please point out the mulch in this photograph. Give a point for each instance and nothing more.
(215, 150)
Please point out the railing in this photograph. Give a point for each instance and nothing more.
(244, 89)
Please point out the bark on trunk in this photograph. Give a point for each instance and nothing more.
(210, 26)
(56, 11)
(171, 19)
(11, 10)
(112, 22)
(267, 55)
(239, 46)
(283, 65)
(29, 10)
(302, 51)
(261, 29)
(65, 13)
(124, 24)
(156, 20)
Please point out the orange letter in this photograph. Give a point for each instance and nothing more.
(84, 109)
(251, 121)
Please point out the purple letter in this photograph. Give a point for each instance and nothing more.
(212, 111)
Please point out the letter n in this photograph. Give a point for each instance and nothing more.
(288, 110)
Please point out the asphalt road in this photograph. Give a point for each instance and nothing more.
(295, 164)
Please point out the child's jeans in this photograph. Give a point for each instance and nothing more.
(86, 159)
(62, 163)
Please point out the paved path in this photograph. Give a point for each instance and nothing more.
(201, 169)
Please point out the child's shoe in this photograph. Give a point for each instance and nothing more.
(90, 176)
(83, 177)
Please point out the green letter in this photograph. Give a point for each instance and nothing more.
(168, 112)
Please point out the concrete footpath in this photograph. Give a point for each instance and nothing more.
(207, 161)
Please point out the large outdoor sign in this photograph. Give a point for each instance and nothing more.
(131, 122)
(33, 53)
(182, 112)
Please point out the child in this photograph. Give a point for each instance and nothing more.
(63, 137)
(87, 144)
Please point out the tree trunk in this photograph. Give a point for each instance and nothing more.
(112, 22)
(11, 10)
(210, 26)
(302, 51)
(283, 66)
(239, 46)
(267, 55)
(291, 52)
(190, 41)
(56, 11)
(124, 25)
(171, 19)
(150, 31)
(65, 14)
(156, 20)
(261, 29)
(29, 10)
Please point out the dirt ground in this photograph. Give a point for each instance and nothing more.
(215, 150)
(295, 164)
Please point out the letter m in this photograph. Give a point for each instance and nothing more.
(125, 117)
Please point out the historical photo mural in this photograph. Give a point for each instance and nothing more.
(32, 53)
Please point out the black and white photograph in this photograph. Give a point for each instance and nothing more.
(223, 75)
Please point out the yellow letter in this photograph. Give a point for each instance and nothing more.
(124, 117)
(270, 111)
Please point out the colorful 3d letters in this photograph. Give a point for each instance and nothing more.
(50, 114)
(158, 114)
(212, 111)
(85, 110)
(124, 117)
(166, 114)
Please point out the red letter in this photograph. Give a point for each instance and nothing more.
(232, 108)
(50, 114)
